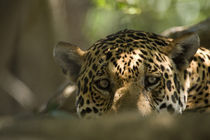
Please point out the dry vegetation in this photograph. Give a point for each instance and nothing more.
(123, 126)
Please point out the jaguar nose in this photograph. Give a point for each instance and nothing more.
(87, 113)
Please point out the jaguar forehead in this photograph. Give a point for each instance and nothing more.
(127, 65)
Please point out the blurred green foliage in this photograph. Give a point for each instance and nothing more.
(108, 16)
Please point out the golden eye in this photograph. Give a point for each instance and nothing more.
(151, 80)
(103, 84)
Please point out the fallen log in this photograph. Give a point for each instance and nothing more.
(202, 29)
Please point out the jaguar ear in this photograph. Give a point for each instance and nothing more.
(183, 49)
(70, 58)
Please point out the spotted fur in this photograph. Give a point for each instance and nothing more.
(138, 70)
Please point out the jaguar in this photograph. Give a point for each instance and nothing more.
(136, 70)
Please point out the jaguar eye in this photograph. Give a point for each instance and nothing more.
(103, 84)
(151, 80)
